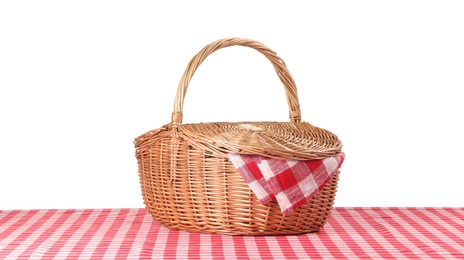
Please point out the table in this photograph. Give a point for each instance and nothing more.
(132, 234)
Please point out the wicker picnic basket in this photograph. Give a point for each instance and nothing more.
(188, 183)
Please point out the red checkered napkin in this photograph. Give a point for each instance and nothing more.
(292, 183)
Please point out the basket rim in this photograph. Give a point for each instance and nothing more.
(280, 140)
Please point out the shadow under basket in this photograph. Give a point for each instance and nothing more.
(188, 182)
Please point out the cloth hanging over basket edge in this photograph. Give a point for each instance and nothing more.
(291, 183)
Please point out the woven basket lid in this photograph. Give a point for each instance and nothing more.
(286, 140)
(283, 140)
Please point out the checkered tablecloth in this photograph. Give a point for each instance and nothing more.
(131, 233)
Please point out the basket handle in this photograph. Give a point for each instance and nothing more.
(277, 62)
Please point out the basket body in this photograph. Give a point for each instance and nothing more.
(188, 182)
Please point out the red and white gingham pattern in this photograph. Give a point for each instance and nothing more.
(353, 233)
(291, 183)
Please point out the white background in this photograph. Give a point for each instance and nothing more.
(79, 80)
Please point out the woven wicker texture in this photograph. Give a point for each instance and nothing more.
(188, 183)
